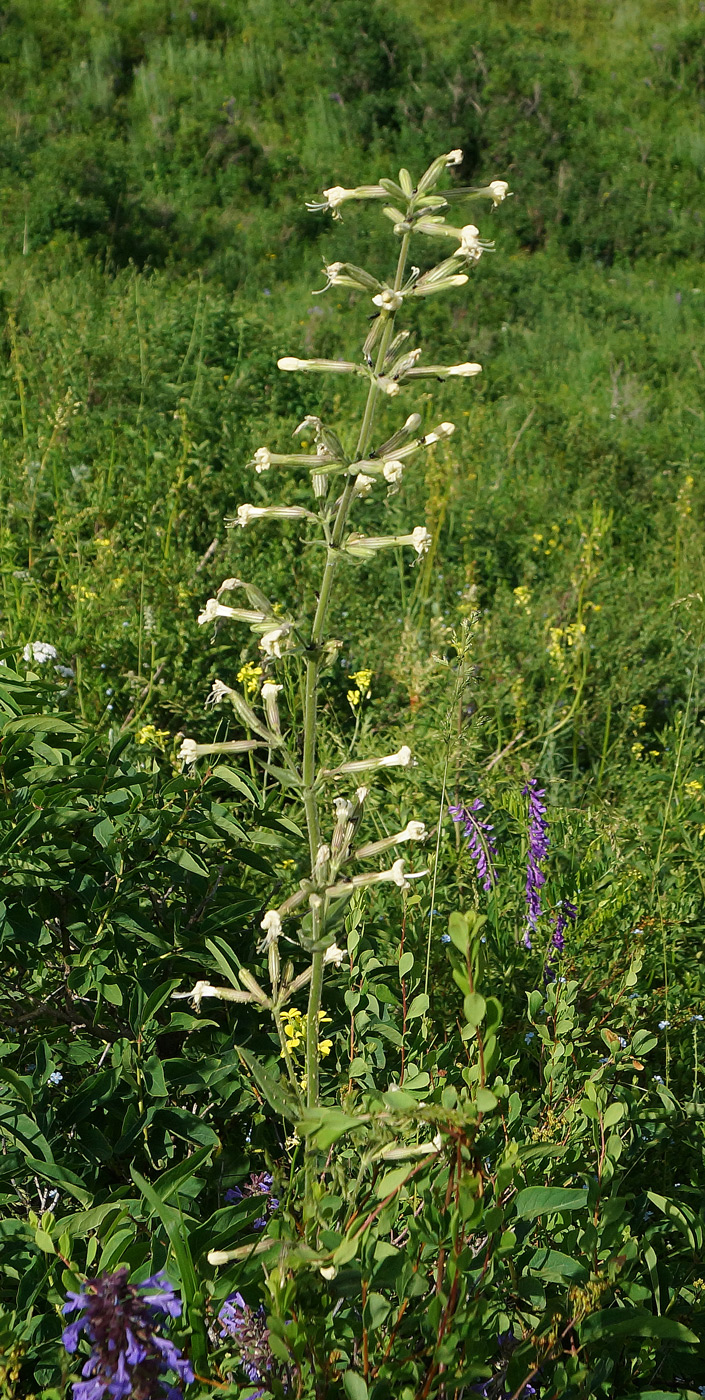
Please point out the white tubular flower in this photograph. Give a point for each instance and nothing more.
(337, 195)
(388, 300)
(334, 955)
(270, 692)
(328, 1273)
(270, 643)
(499, 190)
(388, 386)
(272, 926)
(343, 809)
(247, 513)
(219, 690)
(454, 157)
(290, 362)
(401, 759)
(262, 460)
(413, 831)
(470, 244)
(204, 989)
(188, 753)
(463, 371)
(444, 430)
(212, 610)
(363, 484)
(393, 472)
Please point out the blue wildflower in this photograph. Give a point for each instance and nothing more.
(248, 1329)
(481, 842)
(129, 1355)
(538, 850)
(259, 1184)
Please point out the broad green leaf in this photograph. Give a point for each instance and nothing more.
(474, 1007)
(418, 1007)
(406, 962)
(623, 1323)
(236, 780)
(459, 932)
(548, 1200)
(325, 1125)
(171, 1180)
(553, 1265)
(61, 1176)
(354, 1385)
(173, 1223)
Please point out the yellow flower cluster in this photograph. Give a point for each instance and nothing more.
(248, 677)
(148, 734)
(693, 788)
(522, 598)
(294, 1023)
(362, 691)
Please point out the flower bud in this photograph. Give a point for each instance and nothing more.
(388, 300)
(269, 694)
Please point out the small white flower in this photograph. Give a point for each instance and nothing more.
(55, 1077)
(188, 753)
(337, 195)
(397, 874)
(262, 460)
(454, 157)
(393, 472)
(39, 652)
(270, 691)
(343, 809)
(498, 190)
(272, 926)
(363, 484)
(400, 759)
(219, 689)
(247, 513)
(269, 694)
(464, 371)
(290, 362)
(470, 243)
(212, 610)
(270, 643)
(333, 271)
(328, 1273)
(334, 955)
(421, 540)
(388, 300)
(443, 430)
(413, 831)
(388, 386)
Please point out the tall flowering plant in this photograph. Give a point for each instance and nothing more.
(342, 472)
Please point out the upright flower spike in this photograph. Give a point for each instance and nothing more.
(124, 1322)
(539, 841)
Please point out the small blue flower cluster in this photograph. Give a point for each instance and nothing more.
(259, 1184)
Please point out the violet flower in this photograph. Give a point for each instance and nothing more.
(538, 850)
(567, 914)
(248, 1329)
(123, 1322)
(481, 842)
(259, 1184)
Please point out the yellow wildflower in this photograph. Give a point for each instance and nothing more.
(248, 677)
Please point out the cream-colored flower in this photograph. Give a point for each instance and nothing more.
(464, 371)
(498, 190)
(333, 955)
(262, 460)
(421, 540)
(401, 759)
(270, 643)
(388, 300)
(291, 362)
(188, 753)
(454, 157)
(272, 926)
(337, 195)
(363, 484)
(443, 430)
(393, 472)
(413, 831)
(470, 244)
(218, 692)
(247, 513)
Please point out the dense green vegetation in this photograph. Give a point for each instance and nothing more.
(158, 257)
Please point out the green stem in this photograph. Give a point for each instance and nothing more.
(311, 685)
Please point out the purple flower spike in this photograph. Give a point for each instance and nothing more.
(129, 1357)
(481, 842)
(538, 850)
(259, 1184)
(248, 1329)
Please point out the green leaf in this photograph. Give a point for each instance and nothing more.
(173, 1223)
(171, 1180)
(391, 1181)
(406, 962)
(237, 781)
(157, 998)
(459, 932)
(276, 1093)
(418, 1007)
(629, 1322)
(474, 1007)
(69, 1182)
(22, 1087)
(354, 1386)
(325, 1125)
(556, 1267)
(548, 1200)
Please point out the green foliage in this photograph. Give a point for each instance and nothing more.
(495, 1152)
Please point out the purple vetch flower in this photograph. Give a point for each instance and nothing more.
(129, 1355)
(248, 1329)
(480, 839)
(567, 913)
(538, 850)
(259, 1184)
